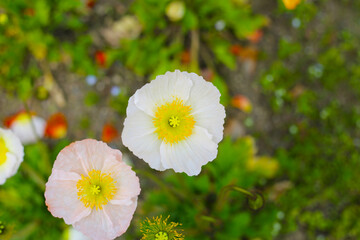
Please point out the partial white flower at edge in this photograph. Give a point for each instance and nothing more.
(11, 154)
(73, 234)
(28, 127)
(175, 122)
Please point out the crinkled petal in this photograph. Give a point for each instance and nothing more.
(84, 156)
(206, 109)
(108, 223)
(126, 180)
(61, 197)
(165, 88)
(140, 137)
(13, 143)
(190, 154)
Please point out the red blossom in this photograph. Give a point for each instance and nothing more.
(241, 102)
(100, 58)
(56, 126)
(256, 36)
(109, 133)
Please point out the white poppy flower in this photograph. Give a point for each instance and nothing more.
(175, 121)
(11, 154)
(27, 126)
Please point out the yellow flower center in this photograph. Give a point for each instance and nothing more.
(161, 236)
(23, 118)
(96, 190)
(3, 151)
(173, 121)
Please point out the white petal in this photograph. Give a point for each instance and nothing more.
(108, 223)
(190, 154)
(39, 125)
(206, 109)
(131, 108)
(165, 88)
(140, 137)
(61, 197)
(13, 143)
(9, 167)
(25, 130)
(13, 167)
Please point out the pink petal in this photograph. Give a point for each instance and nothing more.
(84, 156)
(127, 182)
(61, 197)
(108, 223)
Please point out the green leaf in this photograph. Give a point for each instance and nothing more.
(221, 51)
(42, 11)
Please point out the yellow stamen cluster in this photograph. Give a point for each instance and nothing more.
(96, 190)
(173, 121)
(3, 151)
(159, 229)
(161, 236)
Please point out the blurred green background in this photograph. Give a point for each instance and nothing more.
(289, 79)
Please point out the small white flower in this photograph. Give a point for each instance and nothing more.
(220, 25)
(11, 154)
(175, 121)
(76, 235)
(27, 126)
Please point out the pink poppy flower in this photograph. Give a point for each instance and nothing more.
(92, 189)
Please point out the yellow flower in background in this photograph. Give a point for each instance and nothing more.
(175, 122)
(264, 165)
(175, 10)
(11, 154)
(159, 229)
(3, 18)
(39, 50)
(291, 4)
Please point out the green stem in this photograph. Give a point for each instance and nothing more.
(225, 191)
(249, 194)
(39, 180)
(208, 219)
(158, 181)
(195, 44)
(26, 231)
